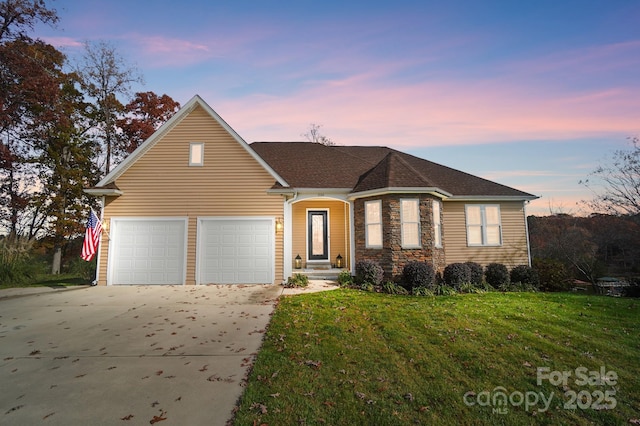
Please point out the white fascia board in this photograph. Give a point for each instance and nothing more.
(172, 122)
(484, 198)
(316, 191)
(108, 192)
(437, 192)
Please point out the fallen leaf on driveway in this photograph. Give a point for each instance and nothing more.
(17, 407)
(129, 417)
(159, 418)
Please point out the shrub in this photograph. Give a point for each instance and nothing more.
(477, 273)
(469, 287)
(497, 275)
(345, 279)
(418, 274)
(526, 276)
(83, 269)
(456, 274)
(422, 291)
(444, 290)
(368, 273)
(297, 280)
(390, 287)
(552, 274)
(16, 262)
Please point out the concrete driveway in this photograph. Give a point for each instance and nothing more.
(129, 355)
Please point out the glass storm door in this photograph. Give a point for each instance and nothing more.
(318, 244)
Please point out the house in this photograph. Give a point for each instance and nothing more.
(196, 204)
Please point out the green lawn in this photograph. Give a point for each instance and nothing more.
(353, 358)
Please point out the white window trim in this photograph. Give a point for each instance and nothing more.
(366, 225)
(192, 163)
(402, 223)
(437, 223)
(483, 225)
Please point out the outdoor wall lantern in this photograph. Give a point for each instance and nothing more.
(339, 263)
(279, 225)
(298, 262)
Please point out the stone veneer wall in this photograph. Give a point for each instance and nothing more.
(392, 257)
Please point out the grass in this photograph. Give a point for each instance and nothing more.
(354, 358)
(62, 280)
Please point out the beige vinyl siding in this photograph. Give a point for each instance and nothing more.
(513, 250)
(338, 228)
(229, 183)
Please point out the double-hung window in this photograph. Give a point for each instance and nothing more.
(410, 218)
(373, 223)
(437, 223)
(483, 225)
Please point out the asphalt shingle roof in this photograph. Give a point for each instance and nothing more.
(363, 168)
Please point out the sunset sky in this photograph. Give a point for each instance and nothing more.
(534, 95)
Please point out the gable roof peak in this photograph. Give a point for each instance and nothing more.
(183, 112)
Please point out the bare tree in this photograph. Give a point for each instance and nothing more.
(104, 75)
(314, 135)
(616, 185)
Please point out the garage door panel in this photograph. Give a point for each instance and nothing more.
(147, 251)
(245, 239)
(235, 251)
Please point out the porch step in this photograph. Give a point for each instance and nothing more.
(330, 274)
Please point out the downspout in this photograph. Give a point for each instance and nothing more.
(526, 228)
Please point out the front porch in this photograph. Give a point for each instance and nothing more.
(320, 238)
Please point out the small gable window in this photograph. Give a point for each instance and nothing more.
(373, 223)
(196, 154)
(410, 217)
(437, 223)
(483, 225)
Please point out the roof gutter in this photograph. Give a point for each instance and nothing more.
(493, 197)
(104, 192)
(436, 192)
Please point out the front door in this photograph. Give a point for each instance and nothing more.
(318, 235)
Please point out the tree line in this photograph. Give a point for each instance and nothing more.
(606, 242)
(566, 247)
(64, 124)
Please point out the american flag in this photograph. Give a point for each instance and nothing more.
(91, 237)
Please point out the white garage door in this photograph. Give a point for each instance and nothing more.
(235, 251)
(147, 251)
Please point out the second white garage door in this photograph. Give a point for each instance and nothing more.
(235, 251)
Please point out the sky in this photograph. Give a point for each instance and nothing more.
(531, 94)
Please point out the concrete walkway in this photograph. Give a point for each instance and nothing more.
(130, 355)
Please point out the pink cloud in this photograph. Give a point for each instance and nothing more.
(161, 51)
(62, 42)
(360, 110)
(585, 60)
